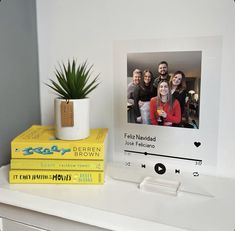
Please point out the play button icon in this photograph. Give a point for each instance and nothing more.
(160, 168)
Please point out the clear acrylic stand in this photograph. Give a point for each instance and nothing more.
(156, 185)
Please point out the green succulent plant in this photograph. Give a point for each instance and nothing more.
(73, 80)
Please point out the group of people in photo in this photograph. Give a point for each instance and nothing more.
(159, 100)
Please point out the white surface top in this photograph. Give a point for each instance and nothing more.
(119, 205)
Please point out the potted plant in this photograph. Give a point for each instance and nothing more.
(72, 107)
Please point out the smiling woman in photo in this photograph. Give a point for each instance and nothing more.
(164, 110)
(178, 88)
(142, 95)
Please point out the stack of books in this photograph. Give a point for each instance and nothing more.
(37, 157)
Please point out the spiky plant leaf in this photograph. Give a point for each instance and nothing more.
(90, 87)
(60, 92)
(73, 81)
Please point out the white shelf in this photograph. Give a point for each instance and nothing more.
(118, 205)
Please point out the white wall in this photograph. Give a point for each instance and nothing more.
(19, 93)
(85, 29)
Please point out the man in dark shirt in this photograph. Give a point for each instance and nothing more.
(162, 73)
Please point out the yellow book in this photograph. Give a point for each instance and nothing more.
(58, 164)
(39, 142)
(55, 177)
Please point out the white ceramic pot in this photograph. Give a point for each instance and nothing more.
(81, 120)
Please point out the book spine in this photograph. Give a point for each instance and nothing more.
(55, 177)
(86, 165)
(30, 150)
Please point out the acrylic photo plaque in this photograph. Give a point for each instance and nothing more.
(169, 149)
